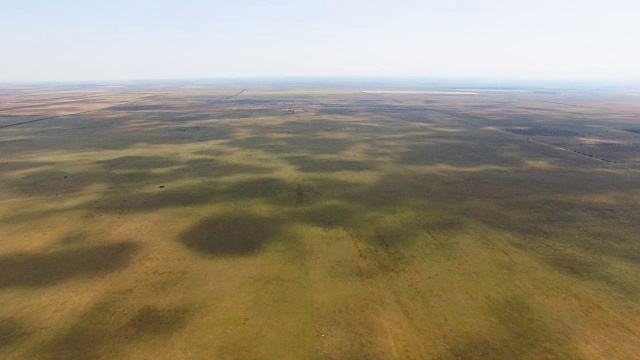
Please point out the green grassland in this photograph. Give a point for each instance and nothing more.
(319, 224)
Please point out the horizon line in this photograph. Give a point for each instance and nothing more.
(318, 78)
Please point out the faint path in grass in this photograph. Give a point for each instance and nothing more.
(58, 101)
(477, 122)
(360, 261)
(76, 113)
(347, 279)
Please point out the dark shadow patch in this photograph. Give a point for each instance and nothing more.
(12, 332)
(313, 164)
(305, 193)
(390, 236)
(275, 146)
(587, 268)
(137, 163)
(169, 197)
(215, 168)
(211, 152)
(132, 172)
(44, 269)
(633, 131)
(229, 235)
(171, 134)
(317, 126)
(268, 189)
(6, 119)
(573, 265)
(542, 131)
(461, 154)
(545, 229)
(128, 178)
(140, 107)
(151, 320)
(520, 330)
(339, 111)
(330, 216)
(295, 144)
(248, 113)
(253, 102)
(23, 165)
(394, 189)
(443, 223)
(107, 328)
(272, 189)
(50, 182)
(74, 239)
(317, 145)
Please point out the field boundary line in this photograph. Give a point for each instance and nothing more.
(493, 128)
(236, 94)
(72, 114)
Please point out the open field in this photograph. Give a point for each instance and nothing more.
(222, 222)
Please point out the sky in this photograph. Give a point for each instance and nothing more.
(66, 40)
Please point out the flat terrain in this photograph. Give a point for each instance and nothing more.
(248, 222)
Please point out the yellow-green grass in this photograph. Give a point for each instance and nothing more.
(361, 228)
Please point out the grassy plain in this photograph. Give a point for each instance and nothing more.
(311, 223)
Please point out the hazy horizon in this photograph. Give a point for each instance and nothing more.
(353, 82)
(161, 40)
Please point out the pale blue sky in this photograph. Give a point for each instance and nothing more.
(144, 39)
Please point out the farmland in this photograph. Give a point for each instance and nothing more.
(318, 222)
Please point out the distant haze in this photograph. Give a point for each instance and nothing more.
(116, 40)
